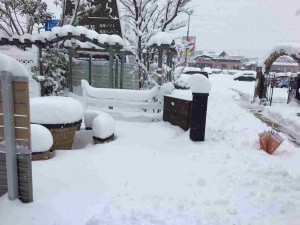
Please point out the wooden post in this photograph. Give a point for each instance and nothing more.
(199, 111)
(160, 59)
(111, 67)
(9, 133)
(122, 69)
(90, 69)
(117, 73)
(71, 69)
(258, 82)
(40, 63)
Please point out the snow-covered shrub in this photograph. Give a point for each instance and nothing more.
(55, 71)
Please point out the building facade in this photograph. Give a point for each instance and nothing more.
(223, 60)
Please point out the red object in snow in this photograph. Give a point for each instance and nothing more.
(270, 141)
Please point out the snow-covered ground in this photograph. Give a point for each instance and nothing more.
(153, 174)
(280, 112)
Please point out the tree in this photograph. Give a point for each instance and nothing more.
(19, 16)
(145, 18)
(55, 66)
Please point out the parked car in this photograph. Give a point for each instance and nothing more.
(284, 83)
(181, 77)
(245, 76)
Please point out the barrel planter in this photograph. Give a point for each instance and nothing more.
(103, 128)
(62, 116)
(41, 143)
(63, 134)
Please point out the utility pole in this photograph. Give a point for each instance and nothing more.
(189, 12)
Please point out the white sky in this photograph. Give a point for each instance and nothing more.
(249, 27)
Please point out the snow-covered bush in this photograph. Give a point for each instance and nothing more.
(55, 71)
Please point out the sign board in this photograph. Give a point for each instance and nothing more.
(50, 24)
(190, 44)
(103, 17)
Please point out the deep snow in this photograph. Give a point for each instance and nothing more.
(153, 174)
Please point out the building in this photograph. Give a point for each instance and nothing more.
(223, 60)
(283, 64)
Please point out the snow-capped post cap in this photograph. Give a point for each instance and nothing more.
(199, 84)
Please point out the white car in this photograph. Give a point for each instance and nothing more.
(245, 76)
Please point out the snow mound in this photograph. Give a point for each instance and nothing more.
(90, 115)
(161, 38)
(103, 126)
(41, 138)
(11, 65)
(55, 110)
(199, 84)
(166, 89)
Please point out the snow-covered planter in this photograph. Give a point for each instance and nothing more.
(61, 115)
(41, 142)
(89, 116)
(103, 128)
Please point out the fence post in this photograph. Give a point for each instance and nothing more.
(71, 69)
(200, 87)
(111, 67)
(199, 111)
(122, 68)
(90, 69)
(9, 134)
(117, 73)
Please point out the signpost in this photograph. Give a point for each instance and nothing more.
(50, 24)
(100, 19)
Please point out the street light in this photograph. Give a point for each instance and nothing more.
(189, 12)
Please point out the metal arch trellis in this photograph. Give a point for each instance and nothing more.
(266, 83)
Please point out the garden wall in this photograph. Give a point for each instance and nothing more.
(100, 74)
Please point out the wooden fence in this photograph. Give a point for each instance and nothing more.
(15, 138)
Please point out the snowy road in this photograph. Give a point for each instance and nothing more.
(153, 174)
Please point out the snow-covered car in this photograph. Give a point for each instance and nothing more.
(182, 74)
(245, 76)
(284, 83)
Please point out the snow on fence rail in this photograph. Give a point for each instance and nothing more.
(125, 103)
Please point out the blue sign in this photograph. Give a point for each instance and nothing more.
(50, 24)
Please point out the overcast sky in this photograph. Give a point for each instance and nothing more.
(248, 27)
